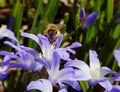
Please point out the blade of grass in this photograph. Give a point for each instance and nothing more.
(84, 86)
(110, 4)
(38, 12)
(50, 10)
(35, 22)
(18, 14)
(49, 13)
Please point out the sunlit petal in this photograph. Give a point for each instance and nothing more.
(94, 61)
(42, 85)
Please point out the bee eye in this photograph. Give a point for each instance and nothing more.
(55, 32)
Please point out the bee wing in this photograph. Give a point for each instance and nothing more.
(43, 22)
(60, 26)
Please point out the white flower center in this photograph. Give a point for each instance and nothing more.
(95, 73)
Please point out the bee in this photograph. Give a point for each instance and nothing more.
(52, 31)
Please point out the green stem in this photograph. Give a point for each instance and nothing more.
(110, 4)
(35, 21)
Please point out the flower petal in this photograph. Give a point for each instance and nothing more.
(66, 74)
(89, 20)
(81, 75)
(115, 88)
(58, 41)
(6, 53)
(31, 36)
(77, 64)
(55, 65)
(43, 62)
(7, 33)
(63, 87)
(15, 65)
(94, 61)
(82, 14)
(62, 53)
(75, 45)
(12, 45)
(35, 66)
(3, 75)
(106, 84)
(30, 50)
(104, 71)
(117, 56)
(6, 60)
(44, 42)
(42, 85)
(73, 84)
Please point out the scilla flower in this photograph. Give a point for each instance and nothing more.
(48, 48)
(87, 21)
(4, 32)
(55, 76)
(24, 57)
(94, 72)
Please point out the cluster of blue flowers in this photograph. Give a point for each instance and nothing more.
(50, 58)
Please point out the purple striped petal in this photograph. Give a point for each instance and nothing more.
(62, 53)
(15, 65)
(82, 14)
(94, 61)
(106, 84)
(3, 75)
(6, 60)
(77, 64)
(55, 65)
(75, 45)
(63, 87)
(43, 62)
(104, 71)
(58, 41)
(66, 74)
(13, 46)
(42, 85)
(89, 20)
(31, 51)
(35, 66)
(115, 88)
(31, 36)
(6, 53)
(7, 33)
(82, 75)
(73, 84)
(117, 56)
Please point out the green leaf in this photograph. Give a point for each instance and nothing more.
(50, 10)
(84, 85)
(110, 4)
(18, 14)
(116, 32)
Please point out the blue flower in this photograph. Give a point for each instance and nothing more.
(88, 20)
(57, 75)
(48, 48)
(4, 32)
(24, 57)
(109, 87)
(82, 14)
(4, 67)
(95, 73)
